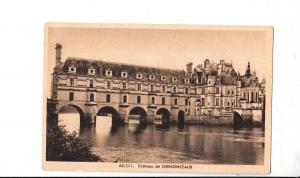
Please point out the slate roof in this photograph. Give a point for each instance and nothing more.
(251, 81)
(226, 78)
(101, 66)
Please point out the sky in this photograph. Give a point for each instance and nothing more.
(163, 47)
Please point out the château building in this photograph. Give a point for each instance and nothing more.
(209, 91)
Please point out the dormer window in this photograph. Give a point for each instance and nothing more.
(108, 73)
(174, 79)
(151, 77)
(91, 71)
(139, 76)
(163, 78)
(186, 80)
(72, 70)
(124, 74)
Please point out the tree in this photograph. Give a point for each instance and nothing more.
(64, 146)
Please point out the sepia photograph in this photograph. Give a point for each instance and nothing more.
(157, 98)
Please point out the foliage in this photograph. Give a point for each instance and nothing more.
(64, 146)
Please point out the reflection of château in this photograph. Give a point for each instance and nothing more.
(211, 91)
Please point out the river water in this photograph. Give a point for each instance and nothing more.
(191, 145)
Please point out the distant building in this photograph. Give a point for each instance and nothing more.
(210, 91)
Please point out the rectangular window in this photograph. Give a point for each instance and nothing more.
(72, 82)
(139, 87)
(186, 101)
(91, 83)
(71, 96)
(124, 85)
(175, 101)
(163, 101)
(232, 92)
(138, 99)
(163, 89)
(186, 90)
(217, 90)
(217, 101)
(174, 89)
(151, 87)
(153, 100)
(125, 99)
(203, 91)
(108, 84)
(228, 103)
(203, 101)
(92, 97)
(108, 98)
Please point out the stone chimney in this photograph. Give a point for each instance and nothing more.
(58, 54)
(189, 68)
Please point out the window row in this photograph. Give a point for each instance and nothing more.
(124, 74)
(163, 100)
(108, 85)
(124, 99)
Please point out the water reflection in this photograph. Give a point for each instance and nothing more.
(191, 144)
(70, 121)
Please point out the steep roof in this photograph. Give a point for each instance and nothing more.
(251, 81)
(101, 66)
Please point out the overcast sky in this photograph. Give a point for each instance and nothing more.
(168, 48)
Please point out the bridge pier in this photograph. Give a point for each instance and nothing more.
(151, 113)
(174, 115)
(123, 114)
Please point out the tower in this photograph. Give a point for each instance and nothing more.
(248, 71)
(206, 63)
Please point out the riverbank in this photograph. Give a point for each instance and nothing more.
(222, 122)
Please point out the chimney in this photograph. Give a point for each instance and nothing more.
(189, 68)
(58, 54)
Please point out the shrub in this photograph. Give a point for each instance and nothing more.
(64, 146)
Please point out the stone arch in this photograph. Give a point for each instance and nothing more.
(106, 110)
(139, 111)
(237, 119)
(180, 121)
(78, 109)
(165, 113)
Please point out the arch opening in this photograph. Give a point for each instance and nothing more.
(165, 116)
(138, 113)
(110, 112)
(180, 122)
(72, 117)
(237, 119)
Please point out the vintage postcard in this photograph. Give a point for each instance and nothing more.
(157, 98)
